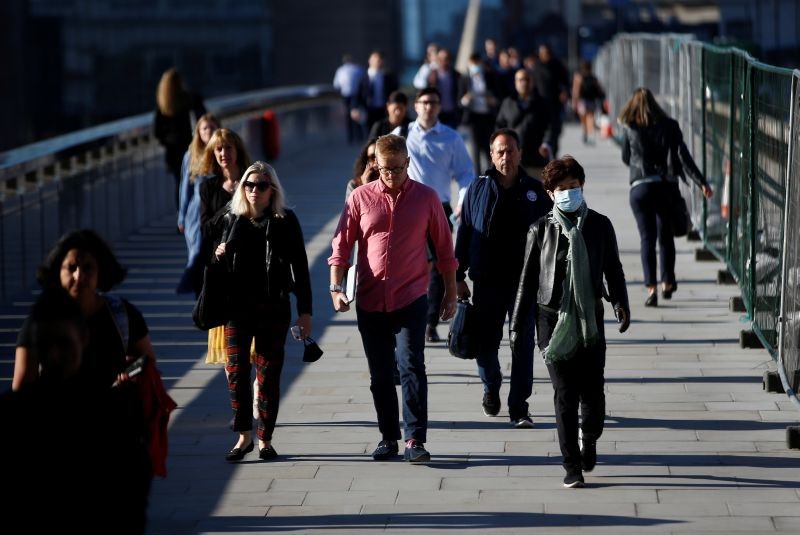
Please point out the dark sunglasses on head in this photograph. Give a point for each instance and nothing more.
(260, 186)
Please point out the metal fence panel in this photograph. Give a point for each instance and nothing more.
(789, 354)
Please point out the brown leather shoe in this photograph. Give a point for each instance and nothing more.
(431, 335)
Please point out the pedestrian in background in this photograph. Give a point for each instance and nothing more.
(528, 115)
(587, 95)
(374, 90)
(175, 105)
(477, 98)
(437, 156)
(364, 168)
(396, 116)
(498, 209)
(347, 79)
(551, 80)
(392, 220)
(189, 203)
(223, 161)
(264, 249)
(653, 148)
(568, 254)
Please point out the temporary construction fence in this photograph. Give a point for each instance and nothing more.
(741, 120)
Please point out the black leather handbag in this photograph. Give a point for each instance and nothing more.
(680, 212)
(212, 307)
(462, 339)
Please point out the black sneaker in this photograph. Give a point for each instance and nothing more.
(526, 422)
(385, 450)
(574, 479)
(588, 455)
(416, 452)
(491, 404)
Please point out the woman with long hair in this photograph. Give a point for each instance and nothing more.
(653, 148)
(364, 170)
(173, 121)
(189, 201)
(263, 247)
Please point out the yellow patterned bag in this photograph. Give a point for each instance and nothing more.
(216, 347)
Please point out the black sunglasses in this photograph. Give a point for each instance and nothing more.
(260, 186)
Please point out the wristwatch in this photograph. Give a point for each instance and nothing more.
(336, 288)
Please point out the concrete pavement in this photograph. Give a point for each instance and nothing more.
(692, 443)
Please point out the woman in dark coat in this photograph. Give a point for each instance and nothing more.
(653, 148)
(263, 247)
(173, 121)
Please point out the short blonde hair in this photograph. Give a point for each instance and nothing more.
(240, 204)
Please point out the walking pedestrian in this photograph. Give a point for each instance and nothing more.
(587, 94)
(392, 219)
(499, 207)
(347, 79)
(568, 254)
(173, 120)
(653, 148)
(437, 156)
(189, 204)
(263, 248)
(396, 116)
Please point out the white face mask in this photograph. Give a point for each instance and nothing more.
(568, 200)
(474, 69)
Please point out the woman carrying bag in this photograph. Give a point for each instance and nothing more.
(263, 248)
(653, 148)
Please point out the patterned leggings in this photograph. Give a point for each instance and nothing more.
(269, 329)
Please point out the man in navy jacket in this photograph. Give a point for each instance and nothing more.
(498, 209)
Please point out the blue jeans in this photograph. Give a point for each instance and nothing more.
(650, 205)
(380, 332)
(493, 303)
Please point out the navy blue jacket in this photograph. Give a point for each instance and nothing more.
(477, 215)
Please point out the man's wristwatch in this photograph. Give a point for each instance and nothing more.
(336, 288)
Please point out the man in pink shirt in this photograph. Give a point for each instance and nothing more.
(391, 219)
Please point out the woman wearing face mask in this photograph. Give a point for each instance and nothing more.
(263, 247)
(568, 254)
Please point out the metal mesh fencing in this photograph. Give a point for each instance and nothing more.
(770, 100)
(741, 121)
(789, 355)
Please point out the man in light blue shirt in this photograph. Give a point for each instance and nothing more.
(438, 155)
(347, 79)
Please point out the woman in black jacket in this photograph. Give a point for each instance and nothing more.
(653, 148)
(568, 254)
(263, 247)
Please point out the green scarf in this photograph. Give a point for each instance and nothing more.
(576, 325)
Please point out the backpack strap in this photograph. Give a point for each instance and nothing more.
(120, 315)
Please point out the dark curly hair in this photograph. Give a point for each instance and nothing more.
(109, 271)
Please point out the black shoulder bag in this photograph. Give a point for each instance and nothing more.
(212, 308)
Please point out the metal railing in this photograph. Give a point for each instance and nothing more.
(740, 120)
(113, 178)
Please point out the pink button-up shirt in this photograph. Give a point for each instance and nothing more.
(392, 262)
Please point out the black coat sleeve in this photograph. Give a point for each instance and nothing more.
(299, 263)
(528, 287)
(612, 269)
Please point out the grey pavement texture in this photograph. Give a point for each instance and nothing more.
(692, 443)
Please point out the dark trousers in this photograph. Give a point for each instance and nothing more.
(380, 332)
(577, 382)
(436, 281)
(481, 126)
(649, 203)
(354, 129)
(493, 303)
(269, 327)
